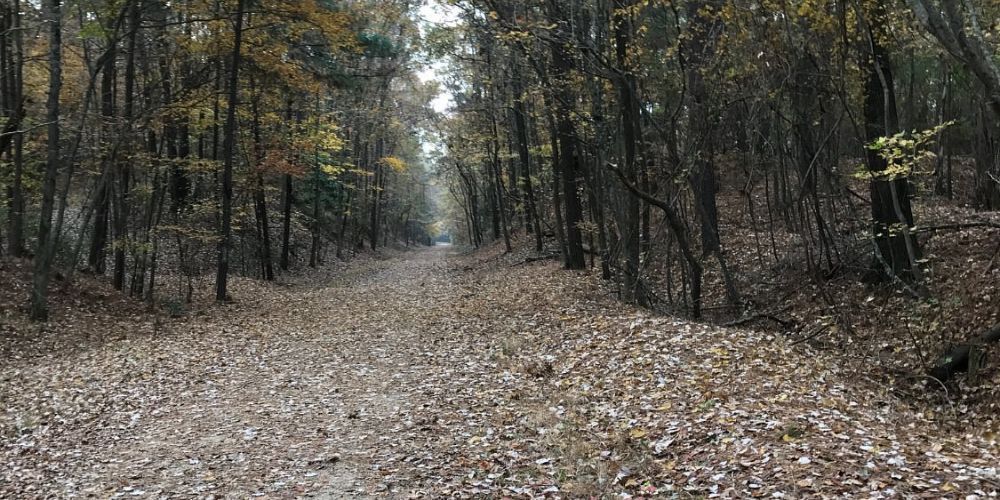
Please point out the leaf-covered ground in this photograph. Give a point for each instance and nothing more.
(434, 374)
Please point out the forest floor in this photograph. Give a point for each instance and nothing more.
(432, 373)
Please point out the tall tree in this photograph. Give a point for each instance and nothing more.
(46, 236)
(13, 77)
(229, 158)
(569, 162)
(628, 104)
(896, 250)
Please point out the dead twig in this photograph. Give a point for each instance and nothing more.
(824, 327)
(763, 315)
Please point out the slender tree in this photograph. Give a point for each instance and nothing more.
(229, 158)
(46, 236)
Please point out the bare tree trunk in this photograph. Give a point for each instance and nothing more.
(629, 225)
(896, 250)
(46, 236)
(123, 175)
(229, 156)
(677, 226)
(15, 204)
(97, 257)
(260, 201)
(315, 229)
(524, 155)
(569, 161)
(286, 202)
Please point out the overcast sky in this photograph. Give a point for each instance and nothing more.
(434, 12)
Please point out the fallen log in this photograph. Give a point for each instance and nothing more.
(538, 258)
(956, 360)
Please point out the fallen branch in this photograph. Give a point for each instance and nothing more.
(762, 315)
(993, 260)
(529, 260)
(956, 360)
(958, 226)
(816, 333)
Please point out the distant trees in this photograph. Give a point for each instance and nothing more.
(632, 106)
(959, 28)
(153, 133)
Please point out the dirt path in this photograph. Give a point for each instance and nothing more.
(306, 393)
(434, 375)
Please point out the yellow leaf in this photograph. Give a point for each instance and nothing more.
(637, 433)
(394, 163)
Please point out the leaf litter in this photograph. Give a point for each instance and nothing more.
(431, 374)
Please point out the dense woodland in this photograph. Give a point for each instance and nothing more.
(740, 248)
(695, 151)
(146, 140)
(155, 139)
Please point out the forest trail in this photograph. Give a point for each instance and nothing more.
(434, 374)
(297, 394)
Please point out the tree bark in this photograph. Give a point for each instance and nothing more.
(15, 205)
(286, 202)
(628, 103)
(123, 174)
(956, 360)
(524, 155)
(260, 200)
(229, 157)
(566, 133)
(680, 233)
(896, 250)
(96, 259)
(46, 236)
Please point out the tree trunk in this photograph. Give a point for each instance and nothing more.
(229, 157)
(260, 201)
(99, 239)
(373, 224)
(566, 132)
(524, 155)
(15, 203)
(680, 232)
(316, 213)
(46, 237)
(704, 31)
(896, 250)
(121, 211)
(629, 225)
(286, 203)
